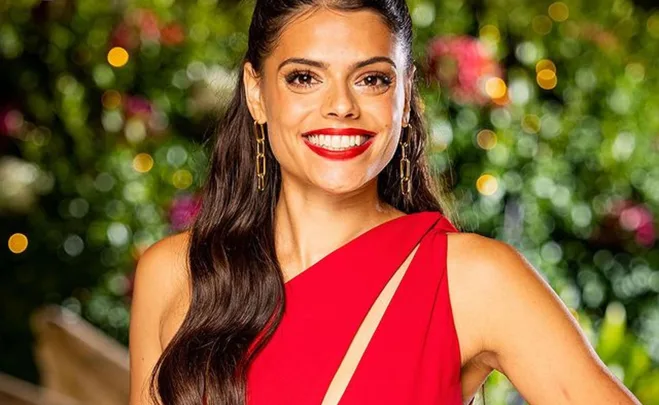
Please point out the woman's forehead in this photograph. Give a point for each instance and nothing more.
(338, 38)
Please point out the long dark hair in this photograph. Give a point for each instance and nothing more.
(237, 284)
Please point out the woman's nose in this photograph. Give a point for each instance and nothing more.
(340, 103)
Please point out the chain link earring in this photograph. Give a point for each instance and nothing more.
(260, 155)
(405, 169)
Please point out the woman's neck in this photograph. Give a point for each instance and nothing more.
(309, 225)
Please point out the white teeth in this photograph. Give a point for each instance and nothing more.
(336, 142)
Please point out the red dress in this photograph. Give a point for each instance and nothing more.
(413, 357)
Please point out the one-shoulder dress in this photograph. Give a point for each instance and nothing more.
(413, 355)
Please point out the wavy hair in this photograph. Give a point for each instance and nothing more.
(238, 297)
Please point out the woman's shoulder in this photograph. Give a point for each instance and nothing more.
(472, 264)
(480, 266)
(481, 260)
(162, 280)
(490, 281)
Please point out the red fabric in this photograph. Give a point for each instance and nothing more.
(413, 357)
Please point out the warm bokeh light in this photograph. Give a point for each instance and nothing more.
(111, 99)
(490, 32)
(487, 184)
(17, 243)
(486, 139)
(495, 87)
(118, 56)
(143, 162)
(545, 64)
(182, 179)
(558, 11)
(547, 79)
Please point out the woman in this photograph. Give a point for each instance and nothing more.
(318, 214)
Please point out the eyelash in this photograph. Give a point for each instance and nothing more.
(291, 77)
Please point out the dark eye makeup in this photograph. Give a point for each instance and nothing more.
(303, 78)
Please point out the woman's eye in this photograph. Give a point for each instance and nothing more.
(300, 78)
(372, 80)
(304, 78)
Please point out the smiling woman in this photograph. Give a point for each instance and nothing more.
(323, 267)
(339, 68)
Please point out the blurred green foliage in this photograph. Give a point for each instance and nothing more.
(105, 105)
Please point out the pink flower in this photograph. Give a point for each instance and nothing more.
(462, 64)
(183, 211)
(11, 121)
(636, 218)
(136, 105)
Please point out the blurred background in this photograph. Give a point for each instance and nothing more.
(544, 120)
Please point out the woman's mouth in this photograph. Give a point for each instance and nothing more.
(339, 143)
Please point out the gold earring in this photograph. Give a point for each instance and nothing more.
(260, 155)
(405, 172)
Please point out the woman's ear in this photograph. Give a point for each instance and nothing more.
(252, 83)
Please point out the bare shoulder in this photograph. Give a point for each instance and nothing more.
(468, 258)
(472, 260)
(478, 269)
(159, 303)
(492, 275)
(162, 281)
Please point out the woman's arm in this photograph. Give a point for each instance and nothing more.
(160, 281)
(536, 341)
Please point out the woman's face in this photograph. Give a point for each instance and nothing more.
(332, 71)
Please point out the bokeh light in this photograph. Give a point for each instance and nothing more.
(486, 139)
(545, 64)
(487, 184)
(17, 243)
(558, 11)
(182, 179)
(490, 32)
(495, 87)
(118, 56)
(546, 79)
(143, 162)
(111, 99)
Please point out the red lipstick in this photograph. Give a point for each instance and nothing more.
(344, 154)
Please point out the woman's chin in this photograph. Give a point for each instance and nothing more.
(338, 187)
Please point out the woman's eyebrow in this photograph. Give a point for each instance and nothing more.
(325, 65)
